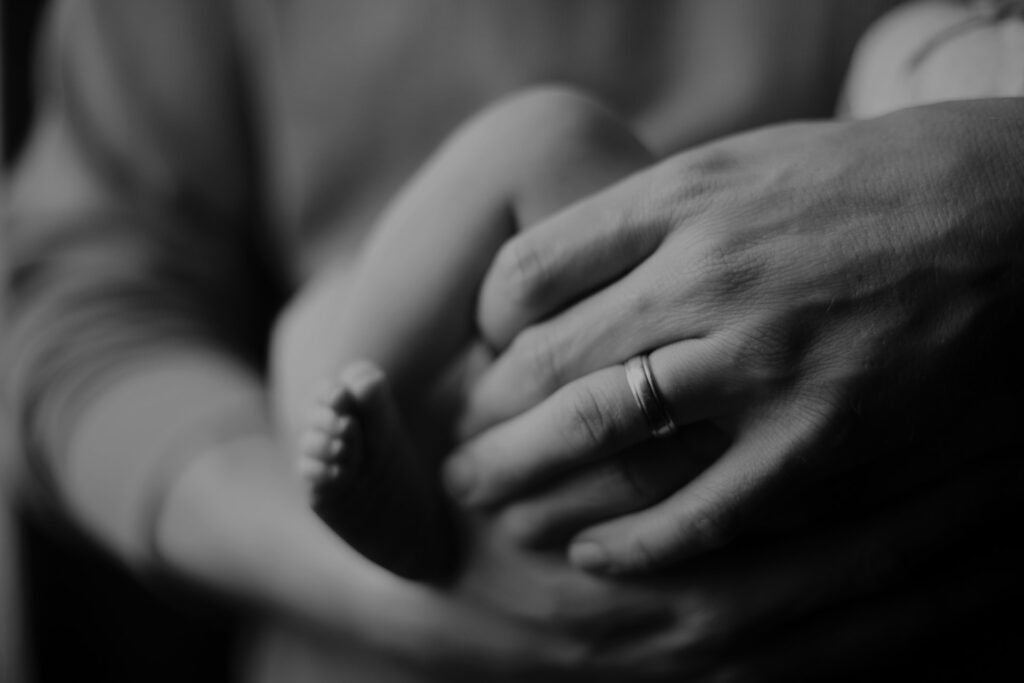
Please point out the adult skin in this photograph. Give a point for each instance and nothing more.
(839, 300)
(221, 510)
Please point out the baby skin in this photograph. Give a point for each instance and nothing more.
(401, 333)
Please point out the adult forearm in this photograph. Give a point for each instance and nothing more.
(234, 520)
(173, 466)
(126, 438)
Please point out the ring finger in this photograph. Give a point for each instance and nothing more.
(588, 420)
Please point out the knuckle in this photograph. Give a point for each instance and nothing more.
(589, 419)
(647, 302)
(763, 357)
(535, 354)
(695, 176)
(710, 160)
(641, 553)
(731, 267)
(522, 273)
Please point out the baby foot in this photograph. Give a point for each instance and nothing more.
(367, 482)
(330, 447)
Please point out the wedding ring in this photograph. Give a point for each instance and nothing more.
(645, 391)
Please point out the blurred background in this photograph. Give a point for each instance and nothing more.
(64, 608)
(18, 19)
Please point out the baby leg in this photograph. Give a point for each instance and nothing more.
(372, 458)
(412, 303)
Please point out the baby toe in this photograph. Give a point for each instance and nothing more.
(327, 390)
(323, 419)
(347, 446)
(314, 471)
(314, 445)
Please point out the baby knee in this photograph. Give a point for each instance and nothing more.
(547, 123)
(558, 145)
(551, 109)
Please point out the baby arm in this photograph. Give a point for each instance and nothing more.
(400, 333)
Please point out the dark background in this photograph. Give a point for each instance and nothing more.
(19, 20)
(86, 618)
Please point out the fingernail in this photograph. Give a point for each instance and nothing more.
(459, 477)
(589, 556)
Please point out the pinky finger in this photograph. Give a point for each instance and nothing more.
(703, 515)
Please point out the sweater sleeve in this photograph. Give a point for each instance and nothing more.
(137, 302)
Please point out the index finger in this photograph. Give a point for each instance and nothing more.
(586, 420)
(575, 251)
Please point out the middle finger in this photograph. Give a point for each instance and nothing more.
(631, 480)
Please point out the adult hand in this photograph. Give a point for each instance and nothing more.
(825, 294)
(855, 599)
(882, 597)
